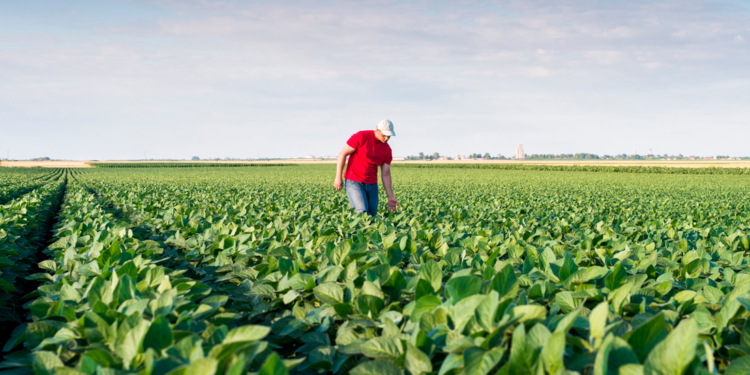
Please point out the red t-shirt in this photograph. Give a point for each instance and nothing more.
(369, 155)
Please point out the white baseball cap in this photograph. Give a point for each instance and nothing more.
(386, 126)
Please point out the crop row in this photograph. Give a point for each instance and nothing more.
(22, 233)
(106, 304)
(17, 182)
(653, 260)
(186, 165)
(513, 271)
(588, 168)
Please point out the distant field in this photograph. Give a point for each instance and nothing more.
(482, 271)
(45, 164)
(681, 164)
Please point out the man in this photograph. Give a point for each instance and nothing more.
(367, 150)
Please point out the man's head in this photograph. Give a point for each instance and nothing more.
(384, 131)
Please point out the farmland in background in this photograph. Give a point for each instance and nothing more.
(483, 270)
(608, 163)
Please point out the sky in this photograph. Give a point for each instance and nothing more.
(117, 80)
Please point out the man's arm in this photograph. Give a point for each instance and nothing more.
(346, 151)
(385, 175)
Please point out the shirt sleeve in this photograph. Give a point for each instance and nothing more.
(389, 157)
(355, 141)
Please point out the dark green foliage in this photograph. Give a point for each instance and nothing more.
(585, 168)
(186, 165)
(268, 270)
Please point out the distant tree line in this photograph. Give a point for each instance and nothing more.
(581, 155)
(436, 156)
(422, 156)
(585, 168)
(576, 156)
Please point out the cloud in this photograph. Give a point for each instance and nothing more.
(538, 71)
(604, 57)
(231, 66)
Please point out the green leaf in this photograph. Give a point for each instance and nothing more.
(18, 336)
(330, 293)
(246, 334)
(202, 366)
(383, 348)
(388, 240)
(69, 293)
(45, 363)
(620, 354)
(601, 360)
(61, 337)
(463, 286)
(673, 354)
(340, 252)
(522, 357)
(424, 288)
(367, 305)
(630, 369)
(486, 311)
(568, 268)
(566, 302)
(290, 296)
(537, 336)
(416, 361)
(620, 296)
(644, 338)
(597, 322)
(480, 361)
(616, 278)
(739, 366)
(431, 272)
(745, 337)
(437, 243)
(159, 335)
(90, 269)
(283, 251)
(505, 283)
(452, 361)
(48, 265)
(376, 367)
(131, 344)
(731, 305)
(273, 366)
(424, 304)
(530, 312)
(564, 324)
(553, 352)
(584, 275)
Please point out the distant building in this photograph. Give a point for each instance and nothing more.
(310, 157)
(519, 152)
(650, 153)
(399, 158)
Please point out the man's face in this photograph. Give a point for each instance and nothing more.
(382, 137)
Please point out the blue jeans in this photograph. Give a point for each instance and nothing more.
(363, 197)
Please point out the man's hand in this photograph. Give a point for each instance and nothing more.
(392, 204)
(338, 182)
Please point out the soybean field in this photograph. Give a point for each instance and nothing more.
(250, 270)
